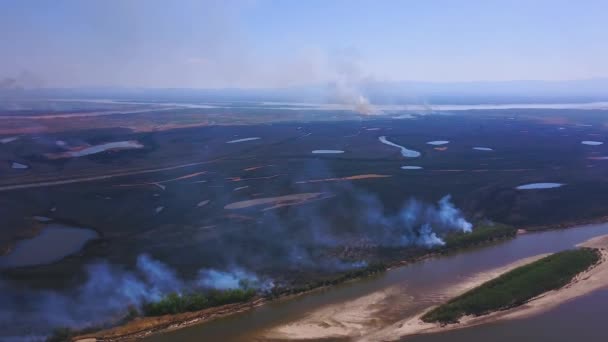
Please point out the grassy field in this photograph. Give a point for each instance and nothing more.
(516, 287)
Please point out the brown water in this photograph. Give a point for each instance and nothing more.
(421, 281)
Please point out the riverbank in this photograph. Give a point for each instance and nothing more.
(516, 287)
(146, 326)
(140, 327)
(592, 279)
(357, 318)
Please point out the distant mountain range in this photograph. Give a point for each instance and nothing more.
(400, 92)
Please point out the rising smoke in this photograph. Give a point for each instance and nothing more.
(294, 239)
(348, 80)
(105, 297)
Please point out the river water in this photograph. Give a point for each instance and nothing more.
(422, 282)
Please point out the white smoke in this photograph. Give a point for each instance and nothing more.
(349, 79)
(105, 297)
(109, 291)
(232, 279)
(450, 216)
(428, 237)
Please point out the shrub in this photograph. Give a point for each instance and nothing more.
(61, 334)
(175, 303)
(516, 287)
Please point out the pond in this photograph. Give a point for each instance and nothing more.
(55, 242)
(327, 151)
(242, 140)
(532, 186)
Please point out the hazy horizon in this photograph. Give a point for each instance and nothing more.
(280, 44)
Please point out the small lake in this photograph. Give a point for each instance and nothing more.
(404, 151)
(532, 186)
(438, 142)
(16, 165)
(119, 145)
(55, 242)
(327, 151)
(411, 167)
(591, 142)
(483, 149)
(242, 140)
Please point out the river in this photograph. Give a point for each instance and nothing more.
(421, 282)
(578, 320)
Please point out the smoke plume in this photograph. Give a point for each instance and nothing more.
(349, 78)
(232, 279)
(105, 297)
(291, 239)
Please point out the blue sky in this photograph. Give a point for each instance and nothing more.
(278, 43)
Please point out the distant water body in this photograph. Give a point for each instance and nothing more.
(404, 151)
(54, 242)
(438, 142)
(104, 147)
(327, 151)
(242, 140)
(440, 107)
(532, 186)
(591, 142)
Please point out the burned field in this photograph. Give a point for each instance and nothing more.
(214, 198)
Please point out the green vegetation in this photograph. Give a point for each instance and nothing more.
(60, 335)
(482, 233)
(356, 273)
(177, 303)
(516, 287)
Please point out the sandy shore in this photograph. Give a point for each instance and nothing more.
(385, 315)
(372, 317)
(586, 282)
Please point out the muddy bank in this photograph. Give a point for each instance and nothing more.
(145, 326)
